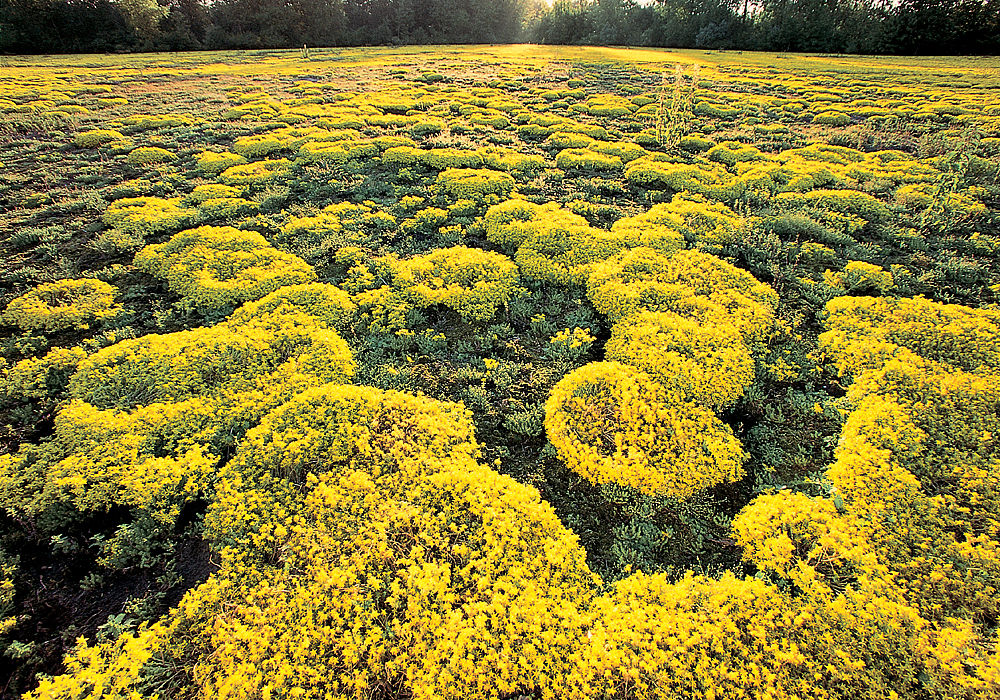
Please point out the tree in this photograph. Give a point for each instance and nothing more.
(143, 16)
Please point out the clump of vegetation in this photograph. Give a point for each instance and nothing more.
(215, 267)
(56, 306)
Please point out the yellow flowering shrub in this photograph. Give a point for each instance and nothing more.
(619, 149)
(832, 118)
(393, 506)
(228, 209)
(510, 160)
(151, 416)
(110, 671)
(325, 303)
(584, 159)
(712, 639)
(147, 216)
(336, 226)
(615, 424)
(733, 152)
(249, 353)
(97, 137)
(445, 158)
(611, 106)
(710, 180)
(685, 216)
(475, 185)
(552, 243)
(473, 282)
(259, 145)
(913, 531)
(790, 175)
(203, 193)
(336, 152)
(859, 276)
(564, 139)
(258, 173)
(150, 155)
(147, 122)
(844, 201)
(56, 306)
(957, 335)
(382, 309)
(42, 377)
(508, 224)
(915, 459)
(402, 155)
(690, 283)
(563, 247)
(703, 363)
(804, 540)
(214, 267)
(213, 163)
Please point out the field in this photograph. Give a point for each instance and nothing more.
(499, 372)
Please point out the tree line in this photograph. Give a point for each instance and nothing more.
(841, 26)
(831, 26)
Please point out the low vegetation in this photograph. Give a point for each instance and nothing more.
(499, 372)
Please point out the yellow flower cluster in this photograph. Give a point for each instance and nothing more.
(213, 163)
(473, 282)
(255, 174)
(955, 335)
(706, 364)
(150, 416)
(584, 159)
(146, 216)
(286, 138)
(94, 138)
(336, 152)
(803, 540)
(859, 277)
(660, 172)
(147, 122)
(615, 424)
(214, 267)
(433, 158)
(336, 226)
(487, 186)
(570, 344)
(42, 377)
(56, 306)
(150, 155)
(511, 160)
(915, 515)
(553, 244)
(665, 227)
(693, 284)
(325, 303)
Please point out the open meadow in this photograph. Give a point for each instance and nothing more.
(499, 372)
